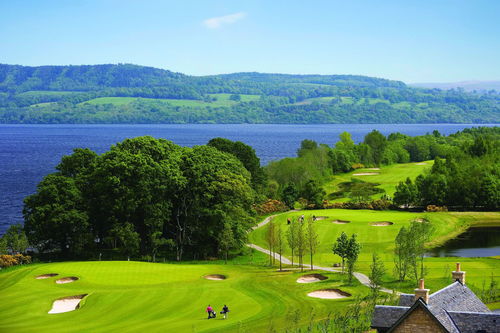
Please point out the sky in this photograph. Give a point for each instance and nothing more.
(411, 41)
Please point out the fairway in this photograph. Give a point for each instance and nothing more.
(380, 240)
(387, 176)
(158, 297)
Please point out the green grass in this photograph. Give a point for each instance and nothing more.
(156, 297)
(381, 240)
(222, 100)
(388, 177)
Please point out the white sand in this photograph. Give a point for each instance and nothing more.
(45, 276)
(340, 222)
(216, 277)
(421, 163)
(66, 304)
(319, 218)
(366, 174)
(67, 280)
(328, 294)
(311, 278)
(381, 224)
(372, 168)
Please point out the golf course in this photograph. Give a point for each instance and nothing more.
(161, 297)
(376, 231)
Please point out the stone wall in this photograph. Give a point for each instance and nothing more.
(419, 321)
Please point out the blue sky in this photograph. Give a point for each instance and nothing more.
(412, 41)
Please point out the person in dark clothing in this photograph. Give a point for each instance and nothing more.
(224, 311)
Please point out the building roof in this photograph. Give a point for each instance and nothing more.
(406, 300)
(385, 316)
(475, 321)
(455, 307)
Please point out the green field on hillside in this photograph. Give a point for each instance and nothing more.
(222, 100)
(387, 176)
(159, 297)
(380, 239)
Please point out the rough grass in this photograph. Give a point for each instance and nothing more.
(158, 297)
(381, 240)
(388, 178)
(222, 100)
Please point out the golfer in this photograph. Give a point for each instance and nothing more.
(224, 311)
(210, 312)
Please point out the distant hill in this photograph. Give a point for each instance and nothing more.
(126, 93)
(466, 85)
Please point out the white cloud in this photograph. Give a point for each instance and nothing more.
(217, 22)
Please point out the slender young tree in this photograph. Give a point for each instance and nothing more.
(291, 236)
(280, 243)
(353, 249)
(377, 271)
(340, 248)
(312, 239)
(271, 240)
(301, 244)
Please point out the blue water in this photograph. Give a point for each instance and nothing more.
(29, 152)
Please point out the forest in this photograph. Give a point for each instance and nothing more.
(67, 94)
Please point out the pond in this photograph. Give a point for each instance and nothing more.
(475, 242)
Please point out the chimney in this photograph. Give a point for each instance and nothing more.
(458, 275)
(421, 292)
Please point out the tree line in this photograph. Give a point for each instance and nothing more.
(465, 161)
(147, 196)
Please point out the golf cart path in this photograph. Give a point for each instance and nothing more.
(362, 278)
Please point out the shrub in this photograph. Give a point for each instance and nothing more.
(7, 260)
(270, 206)
(434, 208)
(358, 166)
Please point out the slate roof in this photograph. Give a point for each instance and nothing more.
(385, 316)
(472, 322)
(406, 300)
(456, 307)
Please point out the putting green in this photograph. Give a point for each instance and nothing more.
(138, 296)
(380, 240)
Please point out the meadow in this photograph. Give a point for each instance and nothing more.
(164, 297)
(222, 100)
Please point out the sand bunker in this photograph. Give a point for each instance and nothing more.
(46, 276)
(68, 279)
(310, 278)
(216, 277)
(340, 221)
(66, 304)
(329, 294)
(319, 218)
(366, 174)
(382, 224)
(421, 220)
(421, 163)
(372, 168)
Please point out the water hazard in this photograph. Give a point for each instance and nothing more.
(475, 242)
